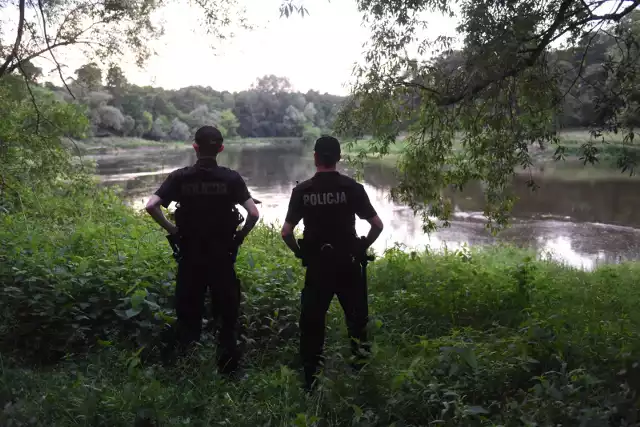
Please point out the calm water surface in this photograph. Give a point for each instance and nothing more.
(582, 223)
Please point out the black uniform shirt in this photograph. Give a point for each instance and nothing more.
(206, 194)
(328, 203)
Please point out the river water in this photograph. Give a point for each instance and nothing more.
(579, 222)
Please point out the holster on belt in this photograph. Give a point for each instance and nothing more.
(323, 252)
(175, 247)
(201, 247)
(303, 252)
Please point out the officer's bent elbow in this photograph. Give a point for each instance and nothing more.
(286, 232)
(377, 223)
(153, 203)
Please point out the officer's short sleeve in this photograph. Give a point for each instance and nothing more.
(363, 207)
(294, 212)
(169, 190)
(240, 192)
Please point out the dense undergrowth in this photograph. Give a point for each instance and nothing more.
(490, 337)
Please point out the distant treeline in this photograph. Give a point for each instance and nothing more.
(271, 109)
(268, 109)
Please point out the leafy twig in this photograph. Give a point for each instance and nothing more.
(46, 38)
(33, 98)
(582, 61)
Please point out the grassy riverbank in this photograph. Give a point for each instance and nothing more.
(542, 158)
(109, 145)
(490, 337)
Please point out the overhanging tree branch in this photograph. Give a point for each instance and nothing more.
(549, 36)
(582, 61)
(587, 8)
(53, 46)
(416, 85)
(33, 98)
(66, 19)
(16, 46)
(518, 68)
(39, 53)
(75, 39)
(615, 16)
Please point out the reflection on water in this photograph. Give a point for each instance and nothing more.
(579, 222)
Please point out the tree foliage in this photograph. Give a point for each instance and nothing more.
(269, 109)
(103, 30)
(474, 112)
(35, 131)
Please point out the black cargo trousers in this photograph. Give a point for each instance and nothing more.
(208, 265)
(326, 277)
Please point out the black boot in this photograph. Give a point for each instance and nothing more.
(361, 354)
(228, 362)
(310, 378)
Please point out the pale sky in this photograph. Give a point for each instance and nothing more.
(317, 51)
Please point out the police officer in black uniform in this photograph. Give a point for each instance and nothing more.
(331, 251)
(206, 232)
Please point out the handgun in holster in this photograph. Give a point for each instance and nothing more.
(363, 258)
(175, 247)
(303, 253)
(239, 220)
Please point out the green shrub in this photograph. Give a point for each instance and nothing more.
(473, 338)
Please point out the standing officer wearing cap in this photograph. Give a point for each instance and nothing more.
(206, 221)
(331, 250)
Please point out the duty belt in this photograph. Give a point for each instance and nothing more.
(179, 247)
(326, 246)
(325, 250)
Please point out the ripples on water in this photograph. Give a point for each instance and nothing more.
(581, 223)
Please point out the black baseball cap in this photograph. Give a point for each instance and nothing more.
(328, 148)
(208, 135)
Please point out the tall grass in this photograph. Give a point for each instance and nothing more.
(469, 338)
